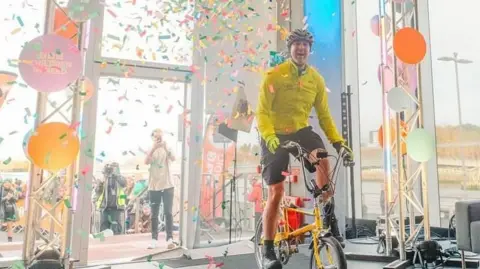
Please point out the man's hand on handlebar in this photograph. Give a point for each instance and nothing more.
(347, 152)
(272, 142)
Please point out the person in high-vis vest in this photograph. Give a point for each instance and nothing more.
(111, 198)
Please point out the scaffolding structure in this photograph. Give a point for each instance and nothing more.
(57, 240)
(402, 174)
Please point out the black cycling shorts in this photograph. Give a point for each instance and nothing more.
(275, 164)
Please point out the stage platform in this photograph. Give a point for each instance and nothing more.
(130, 252)
(240, 255)
(119, 248)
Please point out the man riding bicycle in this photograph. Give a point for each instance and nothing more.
(288, 93)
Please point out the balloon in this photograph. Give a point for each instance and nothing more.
(86, 89)
(409, 46)
(49, 63)
(420, 145)
(393, 135)
(412, 78)
(388, 77)
(398, 99)
(26, 139)
(64, 26)
(407, 72)
(53, 146)
(6, 82)
(375, 25)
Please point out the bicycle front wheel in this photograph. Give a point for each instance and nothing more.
(258, 243)
(330, 254)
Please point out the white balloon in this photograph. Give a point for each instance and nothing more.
(398, 99)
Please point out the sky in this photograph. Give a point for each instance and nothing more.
(450, 32)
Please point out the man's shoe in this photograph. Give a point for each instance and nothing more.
(153, 244)
(170, 244)
(270, 261)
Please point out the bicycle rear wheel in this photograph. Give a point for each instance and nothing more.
(331, 254)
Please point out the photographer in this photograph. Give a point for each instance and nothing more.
(160, 186)
(111, 198)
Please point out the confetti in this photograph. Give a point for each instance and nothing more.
(7, 161)
(169, 109)
(224, 204)
(20, 21)
(67, 203)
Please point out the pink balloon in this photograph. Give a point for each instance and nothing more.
(407, 72)
(375, 25)
(388, 77)
(49, 63)
(412, 78)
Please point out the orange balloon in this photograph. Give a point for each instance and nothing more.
(409, 46)
(393, 135)
(64, 27)
(53, 146)
(6, 83)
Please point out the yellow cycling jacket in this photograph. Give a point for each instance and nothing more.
(286, 100)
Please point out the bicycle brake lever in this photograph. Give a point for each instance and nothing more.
(348, 163)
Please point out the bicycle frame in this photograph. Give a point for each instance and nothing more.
(288, 233)
(315, 228)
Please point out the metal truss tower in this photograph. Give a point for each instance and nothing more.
(40, 243)
(402, 173)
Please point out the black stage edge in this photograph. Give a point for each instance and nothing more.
(398, 264)
(369, 257)
(456, 262)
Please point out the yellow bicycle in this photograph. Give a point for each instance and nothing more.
(287, 240)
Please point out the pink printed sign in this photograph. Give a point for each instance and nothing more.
(7, 80)
(49, 63)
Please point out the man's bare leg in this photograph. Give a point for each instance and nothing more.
(329, 220)
(270, 219)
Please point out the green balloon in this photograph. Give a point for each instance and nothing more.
(420, 145)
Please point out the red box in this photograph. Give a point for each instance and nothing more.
(295, 220)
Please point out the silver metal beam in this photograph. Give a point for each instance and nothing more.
(58, 239)
(405, 173)
(352, 79)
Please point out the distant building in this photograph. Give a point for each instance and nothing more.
(373, 138)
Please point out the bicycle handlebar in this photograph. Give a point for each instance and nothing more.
(303, 154)
(320, 155)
